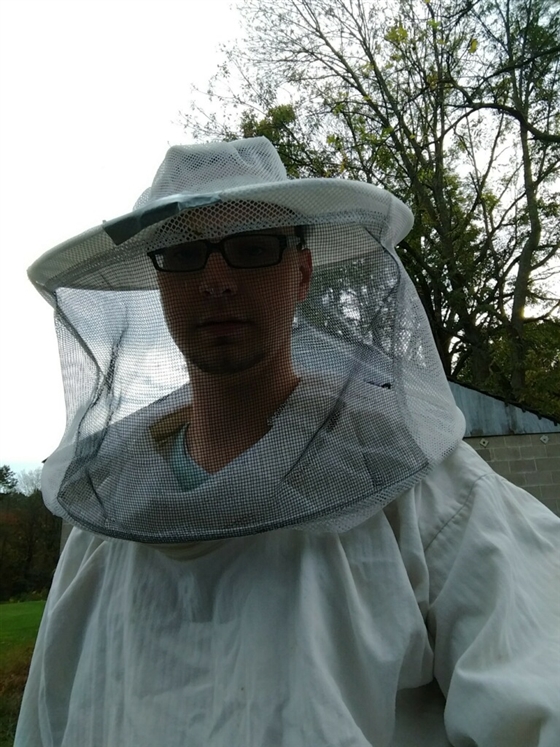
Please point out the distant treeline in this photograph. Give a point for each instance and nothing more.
(29, 541)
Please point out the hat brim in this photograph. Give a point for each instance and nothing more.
(112, 256)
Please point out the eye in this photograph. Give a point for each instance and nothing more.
(181, 253)
(255, 249)
(184, 256)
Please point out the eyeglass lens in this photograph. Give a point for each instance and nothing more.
(240, 251)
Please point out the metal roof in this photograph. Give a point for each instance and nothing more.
(491, 416)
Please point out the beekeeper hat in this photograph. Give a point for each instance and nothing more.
(245, 173)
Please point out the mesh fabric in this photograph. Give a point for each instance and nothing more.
(371, 415)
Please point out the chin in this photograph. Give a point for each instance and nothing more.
(223, 365)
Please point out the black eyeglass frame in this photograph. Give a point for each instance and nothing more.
(219, 246)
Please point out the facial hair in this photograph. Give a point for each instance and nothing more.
(222, 360)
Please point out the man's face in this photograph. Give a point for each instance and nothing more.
(227, 320)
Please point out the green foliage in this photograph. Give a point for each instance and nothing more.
(29, 545)
(279, 124)
(397, 34)
(542, 381)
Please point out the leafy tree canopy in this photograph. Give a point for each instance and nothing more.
(453, 107)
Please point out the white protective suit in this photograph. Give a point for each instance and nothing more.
(291, 639)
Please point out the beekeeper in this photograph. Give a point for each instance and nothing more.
(279, 537)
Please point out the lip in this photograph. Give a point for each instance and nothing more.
(223, 325)
(223, 320)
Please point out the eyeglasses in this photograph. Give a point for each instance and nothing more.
(243, 252)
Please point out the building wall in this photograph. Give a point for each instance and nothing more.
(531, 461)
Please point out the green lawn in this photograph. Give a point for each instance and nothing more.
(19, 622)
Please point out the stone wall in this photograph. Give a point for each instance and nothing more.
(531, 461)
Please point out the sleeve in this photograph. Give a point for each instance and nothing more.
(495, 618)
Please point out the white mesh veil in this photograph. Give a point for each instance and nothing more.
(372, 412)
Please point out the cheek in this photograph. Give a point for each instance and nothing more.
(279, 299)
(177, 302)
(175, 292)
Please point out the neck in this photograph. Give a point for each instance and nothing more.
(229, 414)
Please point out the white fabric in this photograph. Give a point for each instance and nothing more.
(211, 167)
(329, 461)
(294, 639)
(247, 172)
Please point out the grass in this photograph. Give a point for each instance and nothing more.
(19, 622)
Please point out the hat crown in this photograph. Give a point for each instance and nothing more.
(213, 167)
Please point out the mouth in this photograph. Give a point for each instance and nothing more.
(223, 325)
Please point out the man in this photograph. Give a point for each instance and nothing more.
(280, 538)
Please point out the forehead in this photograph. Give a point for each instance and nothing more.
(226, 219)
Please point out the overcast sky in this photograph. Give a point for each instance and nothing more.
(90, 98)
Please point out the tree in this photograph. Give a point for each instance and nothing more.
(8, 480)
(453, 107)
(522, 83)
(29, 536)
(29, 481)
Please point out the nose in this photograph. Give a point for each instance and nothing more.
(218, 278)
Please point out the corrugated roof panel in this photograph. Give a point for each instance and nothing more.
(490, 416)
